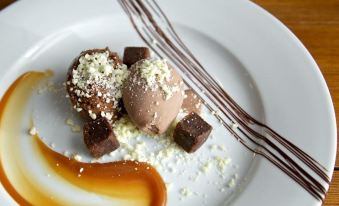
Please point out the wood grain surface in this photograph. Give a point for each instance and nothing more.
(316, 24)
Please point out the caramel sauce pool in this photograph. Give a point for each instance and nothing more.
(130, 182)
(124, 179)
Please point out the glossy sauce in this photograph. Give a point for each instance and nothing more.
(132, 182)
(123, 179)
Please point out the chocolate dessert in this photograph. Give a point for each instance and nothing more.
(94, 84)
(99, 137)
(134, 54)
(151, 91)
(192, 103)
(152, 95)
(191, 132)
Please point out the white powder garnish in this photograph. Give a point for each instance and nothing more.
(91, 114)
(66, 153)
(167, 91)
(156, 73)
(234, 126)
(97, 72)
(124, 128)
(69, 122)
(76, 128)
(107, 115)
(32, 131)
(231, 183)
(185, 192)
(205, 168)
(166, 155)
(77, 157)
(222, 162)
(126, 132)
(78, 109)
(213, 147)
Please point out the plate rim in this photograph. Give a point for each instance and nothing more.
(18, 5)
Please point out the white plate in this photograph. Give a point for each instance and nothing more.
(257, 59)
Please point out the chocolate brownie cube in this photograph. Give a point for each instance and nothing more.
(191, 132)
(134, 54)
(99, 137)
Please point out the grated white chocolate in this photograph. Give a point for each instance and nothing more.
(97, 74)
(76, 128)
(185, 192)
(77, 157)
(165, 156)
(69, 122)
(32, 131)
(156, 73)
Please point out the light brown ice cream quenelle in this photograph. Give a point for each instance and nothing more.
(153, 95)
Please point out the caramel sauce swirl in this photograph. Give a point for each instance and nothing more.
(128, 182)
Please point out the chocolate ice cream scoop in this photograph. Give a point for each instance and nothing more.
(191, 103)
(153, 95)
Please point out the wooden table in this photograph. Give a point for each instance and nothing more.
(316, 24)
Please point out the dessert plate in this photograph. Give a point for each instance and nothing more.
(262, 65)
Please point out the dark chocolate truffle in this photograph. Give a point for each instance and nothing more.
(94, 85)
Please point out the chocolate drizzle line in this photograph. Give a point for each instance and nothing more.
(151, 23)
